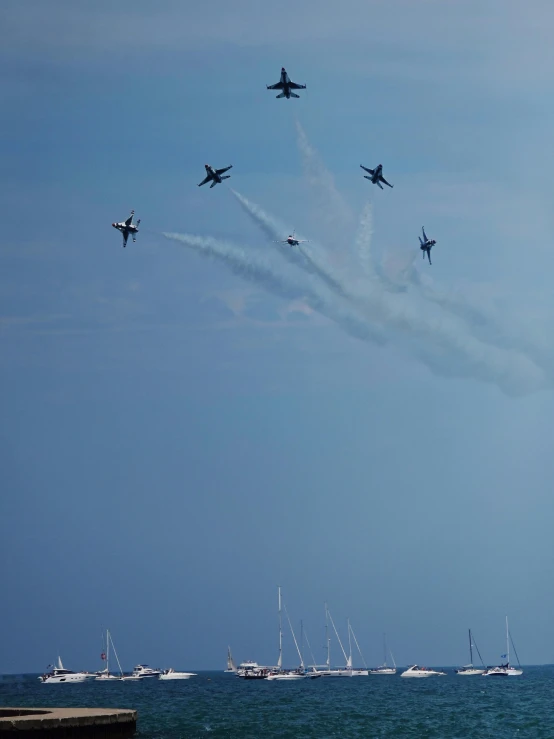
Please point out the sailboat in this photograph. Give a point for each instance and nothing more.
(355, 671)
(384, 669)
(105, 674)
(470, 669)
(279, 673)
(347, 670)
(505, 670)
(231, 666)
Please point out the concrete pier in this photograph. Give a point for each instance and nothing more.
(67, 723)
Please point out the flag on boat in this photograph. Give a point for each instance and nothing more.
(503, 656)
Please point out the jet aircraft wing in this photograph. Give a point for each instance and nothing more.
(424, 235)
(221, 171)
(214, 183)
(371, 171)
(130, 219)
(386, 183)
(125, 235)
(276, 86)
(295, 86)
(206, 179)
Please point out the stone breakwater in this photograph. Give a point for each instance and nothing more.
(62, 723)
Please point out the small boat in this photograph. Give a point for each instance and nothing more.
(287, 675)
(505, 670)
(145, 671)
(172, 674)
(469, 670)
(231, 666)
(416, 671)
(105, 674)
(131, 677)
(384, 669)
(250, 670)
(59, 674)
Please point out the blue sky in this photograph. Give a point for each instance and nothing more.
(177, 438)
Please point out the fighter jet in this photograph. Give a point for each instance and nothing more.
(376, 175)
(215, 175)
(426, 245)
(286, 86)
(293, 241)
(127, 227)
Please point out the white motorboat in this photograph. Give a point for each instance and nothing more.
(131, 677)
(250, 670)
(172, 674)
(384, 669)
(470, 670)
(287, 675)
(231, 666)
(145, 671)
(505, 670)
(105, 674)
(416, 671)
(59, 674)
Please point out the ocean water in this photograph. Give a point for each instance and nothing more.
(215, 705)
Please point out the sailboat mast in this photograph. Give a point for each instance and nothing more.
(337, 635)
(280, 660)
(107, 651)
(385, 649)
(470, 649)
(507, 640)
(349, 663)
(327, 637)
(294, 638)
(301, 641)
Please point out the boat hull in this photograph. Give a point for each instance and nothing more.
(178, 676)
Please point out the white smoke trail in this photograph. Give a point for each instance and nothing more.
(512, 371)
(494, 326)
(298, 256)
(262, 273)
(363, 240)
(333, 211)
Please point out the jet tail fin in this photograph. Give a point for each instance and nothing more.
(226, 177)
(294, 95)
(214, 183)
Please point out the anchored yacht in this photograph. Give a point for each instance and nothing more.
(105, 674)
(231, 666)
(252, 671)
(384, 669)
(60, 675)
(416, 671)
(505, 670)
(145, 671)
(470, 669)
(172, 674)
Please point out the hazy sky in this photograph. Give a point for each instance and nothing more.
(180, 435)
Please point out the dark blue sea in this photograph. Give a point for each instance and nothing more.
(216, 705)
